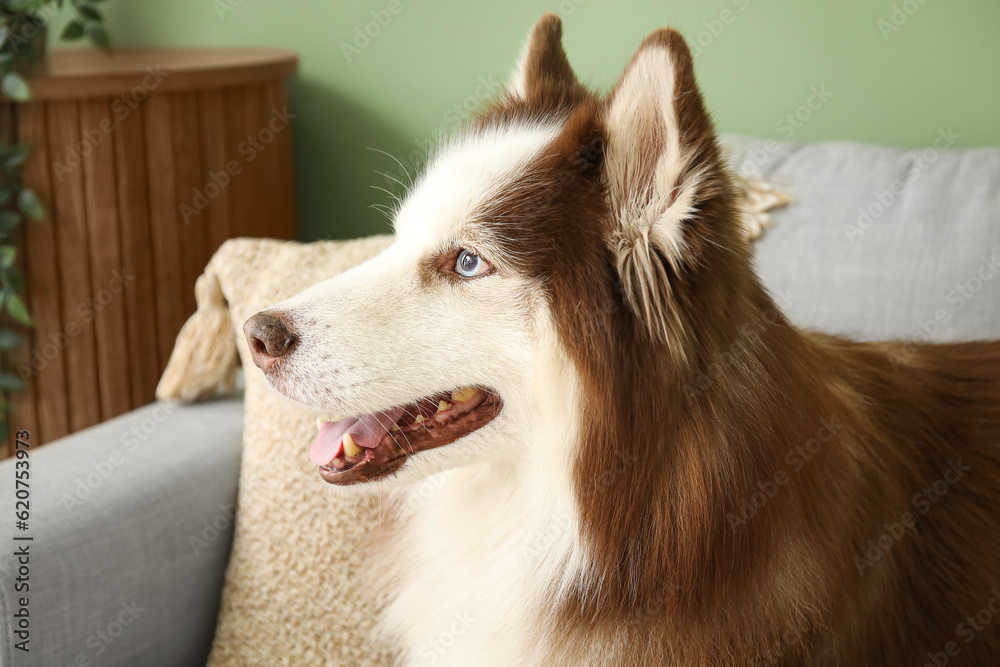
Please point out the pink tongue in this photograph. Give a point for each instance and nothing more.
(328, 444)
(366, 432)
(369, 430)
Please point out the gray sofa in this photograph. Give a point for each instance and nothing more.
(132, 520)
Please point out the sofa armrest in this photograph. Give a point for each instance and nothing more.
(131, 525)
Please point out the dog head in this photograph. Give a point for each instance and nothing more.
(545, 264)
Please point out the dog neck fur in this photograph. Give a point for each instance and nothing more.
(501, 526)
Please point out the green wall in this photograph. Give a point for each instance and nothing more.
(759, 60)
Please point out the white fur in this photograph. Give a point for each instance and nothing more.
(496, 543)
(491, 530)
(471, 171)
(516, 83)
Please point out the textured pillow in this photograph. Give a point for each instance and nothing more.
(882, 242)
(291, 595)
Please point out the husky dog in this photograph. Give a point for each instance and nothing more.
(634, 457)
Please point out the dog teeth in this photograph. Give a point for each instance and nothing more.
(420, 419)
(350, 447)
(319, 422)
(339, 464)
(395, 427)
(463, 394)
(444, 405)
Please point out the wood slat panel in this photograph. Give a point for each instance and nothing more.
(191, 199)
(256, 158)
(213, 160)
(113, 205)
(271, 158)
(42, 278)
(286, 220)
(69, 216)
(108, 283)
(144, 357)
(163, 221)
(240, 193)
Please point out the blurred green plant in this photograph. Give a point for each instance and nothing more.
(23, 32)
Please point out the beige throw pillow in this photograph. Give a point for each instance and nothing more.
(295, 590)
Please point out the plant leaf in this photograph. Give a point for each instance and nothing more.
(9, 220)
(8, 254)
(89, 12)
(28, 202)
(4, 30)
(12, 280)
(73, 30)
(16, 156)
(15, 87)
(99, 36)
(9, 339)
(10, 382)
(17, 310)
(23, 5)
(5, 194)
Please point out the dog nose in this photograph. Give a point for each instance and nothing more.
(268, 338)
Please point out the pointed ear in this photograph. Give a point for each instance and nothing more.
(543, 62)
(662, 164)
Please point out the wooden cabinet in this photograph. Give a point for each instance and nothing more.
(147, 160)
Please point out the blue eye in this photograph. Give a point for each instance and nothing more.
(470, 265)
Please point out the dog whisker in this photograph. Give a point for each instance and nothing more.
(408, 177)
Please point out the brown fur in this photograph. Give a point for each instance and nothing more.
(699, 423)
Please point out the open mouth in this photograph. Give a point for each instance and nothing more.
(372, 446)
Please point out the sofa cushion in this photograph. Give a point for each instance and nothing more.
(131, 523)
(882, 242)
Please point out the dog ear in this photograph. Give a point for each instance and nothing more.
(543, 62)
(661, 163)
